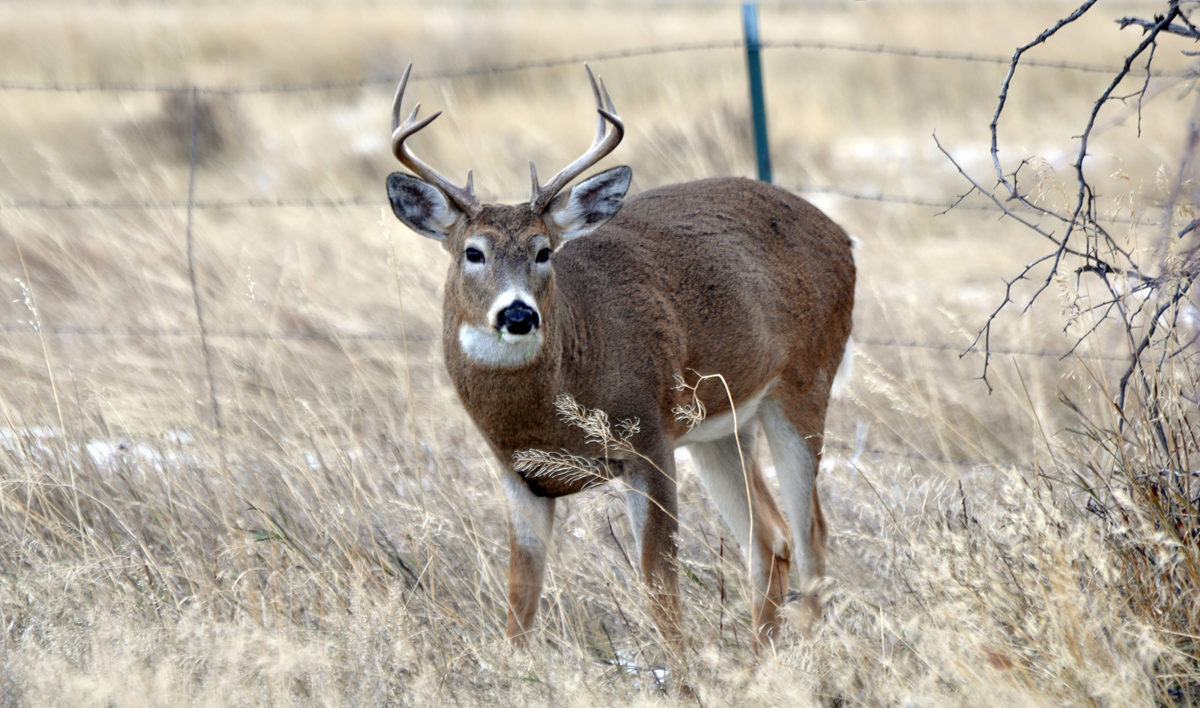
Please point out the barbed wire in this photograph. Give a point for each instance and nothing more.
(961, 349)
(916, 455)
(956, 205)
(950, 55)
(334, 337)
(389, 79)
(376, 202)
(203, 204)
(183, 333)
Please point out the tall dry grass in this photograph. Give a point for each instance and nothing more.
(337, 535)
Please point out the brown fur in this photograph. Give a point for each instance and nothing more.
(722, 276)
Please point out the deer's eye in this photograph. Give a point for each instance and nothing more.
(542, 256)
(474, 255)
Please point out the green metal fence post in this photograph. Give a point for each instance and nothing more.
(758, 102)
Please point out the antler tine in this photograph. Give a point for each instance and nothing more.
(399, 98)
(463, 196)
(599, 104)
(604, 142)
(533, 174)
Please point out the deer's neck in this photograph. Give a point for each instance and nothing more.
(509, 391)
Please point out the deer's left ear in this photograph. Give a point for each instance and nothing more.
(588, 204)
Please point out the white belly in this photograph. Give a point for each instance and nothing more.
(719, 427)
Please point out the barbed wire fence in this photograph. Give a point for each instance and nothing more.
(195, 93)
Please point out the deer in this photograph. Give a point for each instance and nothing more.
(631, 305)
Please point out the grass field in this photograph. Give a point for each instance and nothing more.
(332, 530)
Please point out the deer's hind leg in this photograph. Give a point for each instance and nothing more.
(793, 418)
(737, 486)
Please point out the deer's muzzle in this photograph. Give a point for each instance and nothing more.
(518, 318)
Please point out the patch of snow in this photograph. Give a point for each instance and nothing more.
(627, 664)
(45, 442)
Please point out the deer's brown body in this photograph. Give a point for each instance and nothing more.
(617, 306)
(693, 292)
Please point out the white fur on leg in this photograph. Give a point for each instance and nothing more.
(720, 468)
(841, 380)
(636, 506)
(795, 468)
(532, 516)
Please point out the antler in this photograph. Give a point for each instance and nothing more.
(601, 145)
(463, 196)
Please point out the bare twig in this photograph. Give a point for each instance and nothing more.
(1141, 304)
(1012, 70)
(1188, 31)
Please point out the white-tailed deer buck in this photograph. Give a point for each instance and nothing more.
(617, 302)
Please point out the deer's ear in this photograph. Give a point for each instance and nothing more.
(588, 204)
(422, 206)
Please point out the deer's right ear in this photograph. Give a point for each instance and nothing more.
(422, 206)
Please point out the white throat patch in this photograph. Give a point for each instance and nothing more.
(486, 346)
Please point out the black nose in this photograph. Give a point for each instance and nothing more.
(518, 318)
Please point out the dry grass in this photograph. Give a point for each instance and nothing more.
(338, 538)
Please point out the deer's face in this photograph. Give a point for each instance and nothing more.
(501, 279)
(500, 287)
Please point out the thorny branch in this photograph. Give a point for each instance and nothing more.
(1185, 30)
(1146, 299)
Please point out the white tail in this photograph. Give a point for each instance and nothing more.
(613, 301)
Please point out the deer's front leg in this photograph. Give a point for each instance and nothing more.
(530, 521)
(652, 504)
